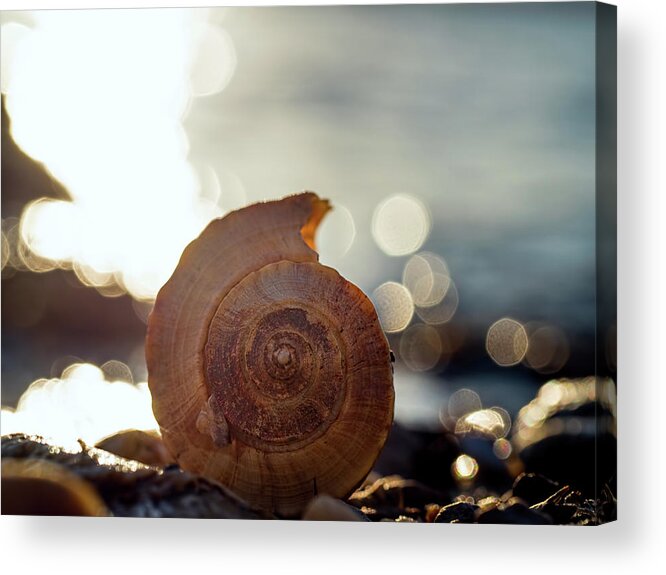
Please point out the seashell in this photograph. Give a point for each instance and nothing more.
(269, 371)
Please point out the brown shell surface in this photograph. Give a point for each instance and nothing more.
(269, 371)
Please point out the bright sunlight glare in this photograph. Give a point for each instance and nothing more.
(99, 96)
(84, 403)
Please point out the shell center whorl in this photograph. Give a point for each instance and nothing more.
(287, 365)
(276, 372)
(283, 355)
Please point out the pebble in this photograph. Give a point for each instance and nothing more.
(144, 446)
(327, 508)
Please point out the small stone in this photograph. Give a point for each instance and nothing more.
(488, 503)
(431, 511)
(327, 508)
(144, 446)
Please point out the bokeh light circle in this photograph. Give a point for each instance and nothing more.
(421, 347)
(506, 342)
(394, 306)
(426, 276)
(465, 467)
(400, 225)
(444, 310)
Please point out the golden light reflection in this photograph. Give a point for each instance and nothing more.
(506, 419)
(507, 342)
(86, 402)
(539, 418)
(400, 225)
(462, 402)
(5, 250)
(48, 228)
(115, 370)
(532, 415)
(103, 282)
(484, 421)
(426, 276)
(550, 394)
(465, 467)
(394, 306)
(443, 311)
(421, 347)
(502, 448)
(106, 121)
(548, 349)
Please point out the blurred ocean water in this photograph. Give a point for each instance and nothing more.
(482, 116)
(484, 113)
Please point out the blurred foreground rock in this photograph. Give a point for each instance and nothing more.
(41, 487)
(144, 446)
(550, 474)
(568, 433)
(129, 488)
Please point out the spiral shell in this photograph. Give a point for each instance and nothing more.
(269, 371)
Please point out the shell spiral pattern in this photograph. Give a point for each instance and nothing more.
(269, 371)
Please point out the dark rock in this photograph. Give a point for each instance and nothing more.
(396, 492)
(424, 456)
(570, 459)
(515, 513)
(460, 512)
(132, 489)
(560, 506)
(573, 438)
(533, 487)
